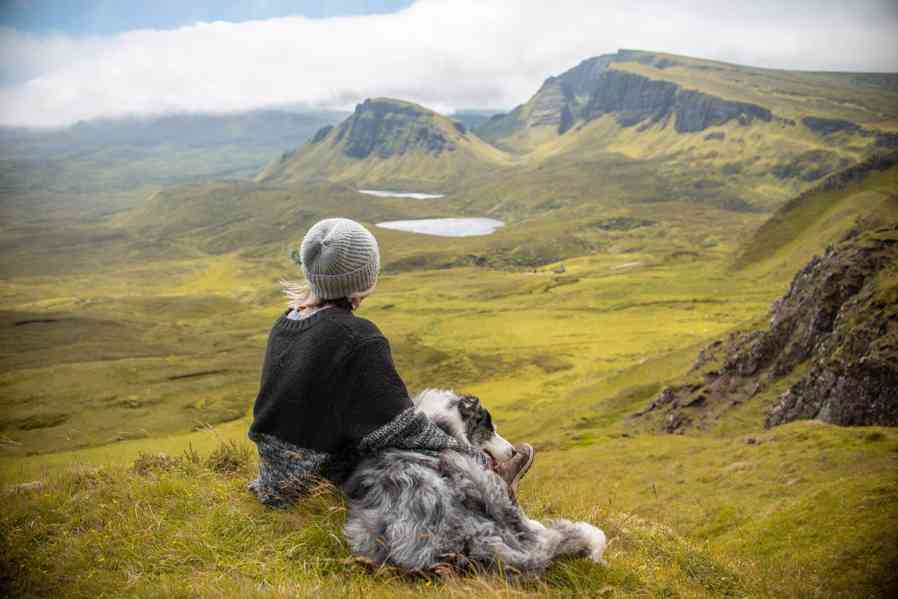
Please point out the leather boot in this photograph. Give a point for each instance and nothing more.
(514, 469)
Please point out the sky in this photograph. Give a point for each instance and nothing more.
(62, 61)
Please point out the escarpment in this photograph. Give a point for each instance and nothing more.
(832, 340)
(387, 128)
(851, 336)
(387, 141)
(594, 88)
(634, 98)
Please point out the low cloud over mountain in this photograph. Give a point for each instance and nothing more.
(444, 55)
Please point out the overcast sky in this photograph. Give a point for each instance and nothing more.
(66, 60)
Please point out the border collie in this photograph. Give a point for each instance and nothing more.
(425, 511)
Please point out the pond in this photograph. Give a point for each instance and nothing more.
(446, 227)
(402, 194)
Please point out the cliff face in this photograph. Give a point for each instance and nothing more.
(549, 104)
(387, 142)
(851, 333)
(834, 333)
(387, 128)
(634, 99)
(631, 97)
(594, 88)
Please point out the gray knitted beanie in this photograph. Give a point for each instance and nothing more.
(339, 257)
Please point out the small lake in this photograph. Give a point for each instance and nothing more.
(402, 194)
(446, 227)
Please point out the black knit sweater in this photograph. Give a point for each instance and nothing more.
(327, 381)
(329, 396)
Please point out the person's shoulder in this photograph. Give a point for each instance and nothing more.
(359, 328)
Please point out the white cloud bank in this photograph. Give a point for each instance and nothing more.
(443, 54)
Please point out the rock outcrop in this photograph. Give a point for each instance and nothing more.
(386, 141)
(833, 336)
(321, 134)
(828, 126)
(594, 88)
(846, 320)
(388, 127)
(634, 99)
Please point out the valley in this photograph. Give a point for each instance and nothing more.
(639, 208)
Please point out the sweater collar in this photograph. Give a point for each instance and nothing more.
(287, 324)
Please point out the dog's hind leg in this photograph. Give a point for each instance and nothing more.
(397, 512)
(577, 538)
(497, 533)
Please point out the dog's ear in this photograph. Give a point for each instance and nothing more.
(468, 405)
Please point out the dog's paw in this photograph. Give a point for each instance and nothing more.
(535, 526)
(597, 556)
(597, 542)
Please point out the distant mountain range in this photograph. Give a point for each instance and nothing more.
(120, 154)
(746, 136)
(256, 128)
(646, 88)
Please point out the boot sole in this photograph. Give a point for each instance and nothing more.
(526, 467)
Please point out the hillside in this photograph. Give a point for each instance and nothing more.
(827, 350)
(636, 259)
(388, 141)
(757, 136)
(646, 88)
(98, 167)
(736, 137)
(823, 214)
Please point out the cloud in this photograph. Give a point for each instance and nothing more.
(445, 55)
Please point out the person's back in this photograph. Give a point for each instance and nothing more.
(329, 390)
(314, 368)
(327, 381)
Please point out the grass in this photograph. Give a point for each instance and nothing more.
(162, 356)
(137, 329)
(793, 235)
(688, 517)
(561, 366)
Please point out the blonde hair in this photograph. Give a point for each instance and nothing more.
(300, 294)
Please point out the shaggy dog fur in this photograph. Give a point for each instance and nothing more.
(421, 511)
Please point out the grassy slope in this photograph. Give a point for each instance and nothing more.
(751, 512)
(561, 358)
(798, 229)
(187, 286)
(790, 94)
(760, 165)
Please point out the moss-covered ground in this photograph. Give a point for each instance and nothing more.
(133, 321)
(104, 368)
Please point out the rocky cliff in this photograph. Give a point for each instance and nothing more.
(390, 127)
(386, 140)
(852, 336)
(594, 88)
(832, 339)
(634, 99)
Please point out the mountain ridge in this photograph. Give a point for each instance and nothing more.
(386, 139)
(751, 137)
(658, 84)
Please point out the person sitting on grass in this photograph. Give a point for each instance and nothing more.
(329, 392)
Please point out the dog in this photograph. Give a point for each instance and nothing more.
(425, 511)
